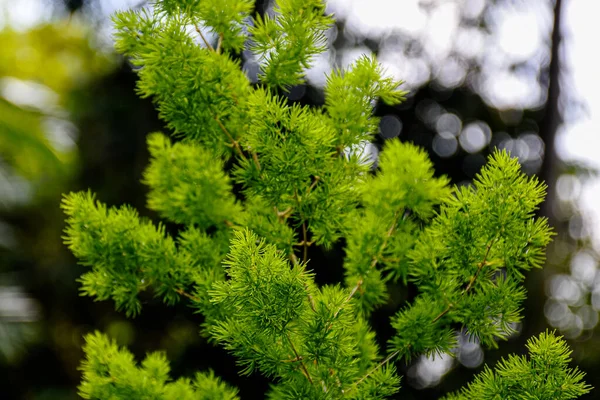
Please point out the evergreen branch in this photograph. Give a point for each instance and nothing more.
(234, 142)
(282, 153)
(545, 374)
(375, 260)
(439, 316)
(471, 281)
(349, 98)
(110, 372)
(188, 184)
(481, 265)
(287, 41)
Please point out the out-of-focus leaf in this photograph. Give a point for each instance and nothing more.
(58, 55)
(58, 58)
(23, 143)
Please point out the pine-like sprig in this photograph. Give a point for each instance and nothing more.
(302, 179)
(395, 202)
(286, 41)
(279, 323)
(544, 375)
(128, 254)
(469, 262)
(188, 185)
(111, 373)
(349, 98)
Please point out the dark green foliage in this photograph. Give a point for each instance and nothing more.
(126, 253)
(111, 373)
(419, 330)
(129, 254)
(303, 180)
(468, 263)
(545, 375)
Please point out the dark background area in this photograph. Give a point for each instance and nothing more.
(40, 346)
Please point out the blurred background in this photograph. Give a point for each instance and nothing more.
(483, 74)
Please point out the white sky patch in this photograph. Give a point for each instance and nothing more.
(369, 20)
(519, 25)
(321, 66)
(29, 94)
(23, 14)
(580, 141)
(508, 90)
(520, 30)
(414, 71)
(469, 42)
(111, 6)
(441, 28)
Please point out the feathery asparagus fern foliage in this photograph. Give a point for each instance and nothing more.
(242, 260)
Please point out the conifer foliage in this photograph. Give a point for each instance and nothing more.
(303, 180)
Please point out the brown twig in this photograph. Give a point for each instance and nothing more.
(480, 265)
(189, 296)
(305, 242)
(304, 370)
(472, 280)
(312, 186)
(437, 318)
(376, 259)
(219, 43)
(311, 300)
(302, 243)
(440, 315)
(255, 158)
(234, 142)
(203, 38)
(283, 214)
(381, 364)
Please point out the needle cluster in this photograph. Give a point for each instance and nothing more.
(301, 179)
